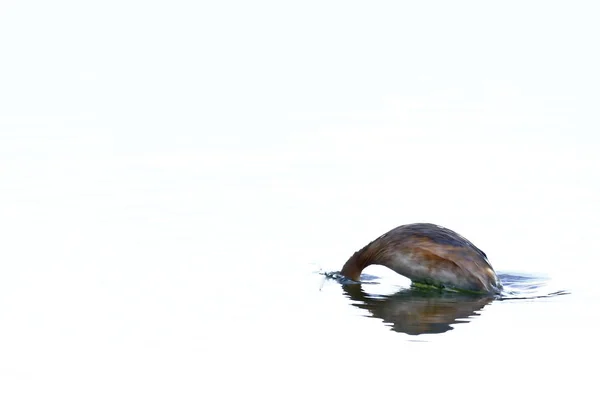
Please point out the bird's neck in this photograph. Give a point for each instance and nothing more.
(359, 261)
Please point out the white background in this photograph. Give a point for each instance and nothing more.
(171, 173)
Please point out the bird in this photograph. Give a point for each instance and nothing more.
(428, 254)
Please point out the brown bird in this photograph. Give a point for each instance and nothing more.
(428, 254)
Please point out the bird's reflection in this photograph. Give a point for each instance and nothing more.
(416, 311)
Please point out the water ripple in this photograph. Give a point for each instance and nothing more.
(416, 310)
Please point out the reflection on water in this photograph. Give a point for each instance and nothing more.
(416, 310)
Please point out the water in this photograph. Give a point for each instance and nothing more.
(418, 310)
(130, 285)
(176, 179)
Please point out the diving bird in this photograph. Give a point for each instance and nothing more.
(428, 254)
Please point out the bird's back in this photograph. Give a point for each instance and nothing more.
(431, 254)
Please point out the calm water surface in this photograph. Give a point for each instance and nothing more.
(151, 294)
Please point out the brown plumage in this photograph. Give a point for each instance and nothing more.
(430, 254)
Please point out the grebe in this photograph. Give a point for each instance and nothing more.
(429, 254)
